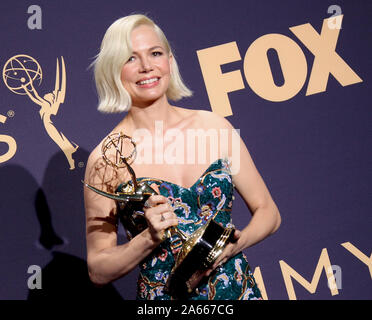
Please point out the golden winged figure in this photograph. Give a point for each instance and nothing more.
(16, 69)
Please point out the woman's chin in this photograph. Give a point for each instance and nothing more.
(145, 102)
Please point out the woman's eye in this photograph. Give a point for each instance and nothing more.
(157, 53)
(130, 59)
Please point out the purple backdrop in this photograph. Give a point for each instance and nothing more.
(314, 152)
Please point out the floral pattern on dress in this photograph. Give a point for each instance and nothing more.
(210, 197)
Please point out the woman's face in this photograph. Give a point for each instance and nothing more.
(146, 74)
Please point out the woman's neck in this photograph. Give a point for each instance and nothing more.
(145, 117)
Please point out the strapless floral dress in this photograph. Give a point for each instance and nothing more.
(211, 196)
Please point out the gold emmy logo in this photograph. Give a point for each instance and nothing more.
(19, 74)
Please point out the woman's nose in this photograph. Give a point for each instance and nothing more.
(145, 65)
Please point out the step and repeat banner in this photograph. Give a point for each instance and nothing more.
(293, 76)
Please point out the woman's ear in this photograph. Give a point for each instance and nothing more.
(170, 61)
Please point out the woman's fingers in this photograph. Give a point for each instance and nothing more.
(236, 236)
(226, 254)
(165, 220)
(154, 200)
(159, 214)
(168, 219)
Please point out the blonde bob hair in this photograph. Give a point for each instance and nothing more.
(114, 52)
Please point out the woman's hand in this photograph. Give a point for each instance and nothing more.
(230, 250)
(160, 216)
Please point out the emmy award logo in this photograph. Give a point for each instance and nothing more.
(19, 74)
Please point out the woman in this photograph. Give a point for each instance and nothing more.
(136, 71)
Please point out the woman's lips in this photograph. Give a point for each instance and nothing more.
(148, 82)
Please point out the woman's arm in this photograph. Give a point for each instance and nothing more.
(108, 261)
(265, 214)
(250, 185)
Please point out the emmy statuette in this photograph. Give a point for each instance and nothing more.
(199, 250)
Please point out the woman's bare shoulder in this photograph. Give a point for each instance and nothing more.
(209, 119)
(204, 117)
